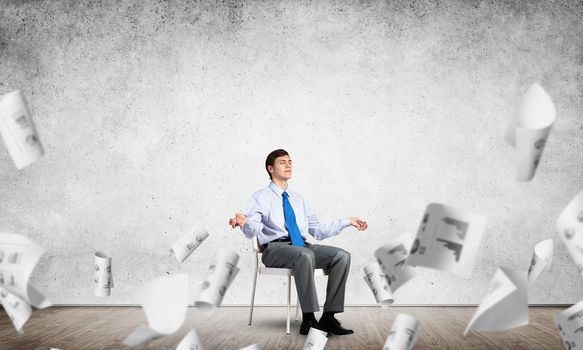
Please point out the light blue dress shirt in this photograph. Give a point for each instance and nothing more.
(265, 219)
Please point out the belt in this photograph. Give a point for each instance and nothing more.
(281, 239)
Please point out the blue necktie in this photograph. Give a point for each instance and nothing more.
(290, 222)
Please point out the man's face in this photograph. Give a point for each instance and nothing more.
(282, 168)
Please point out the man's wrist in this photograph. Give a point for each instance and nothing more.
(347, 222)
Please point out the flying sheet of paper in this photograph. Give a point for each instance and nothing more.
(18, 131)
(316, 340)
(505, 304)
(18, 258)
(391, 258)
(403, 334)
(541, 257)
(448, 240)
(376, 281)
(190, 342)
(570, 228)
(103, 276)
(18, 310)
(570, 325)
(187, 244)
(529, 130)
(221, 274)
(164, 300)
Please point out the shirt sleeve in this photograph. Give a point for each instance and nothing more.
(253, 226)
(322, 231)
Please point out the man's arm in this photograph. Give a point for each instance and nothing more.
(250, 224)
(322, 231)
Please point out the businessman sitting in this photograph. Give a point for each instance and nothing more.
(281, 219)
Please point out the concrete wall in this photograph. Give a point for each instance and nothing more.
(156, 116)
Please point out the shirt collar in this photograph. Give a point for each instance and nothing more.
(278, 190)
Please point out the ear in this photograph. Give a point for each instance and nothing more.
(270, 169)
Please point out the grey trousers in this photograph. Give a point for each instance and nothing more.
(303, 261)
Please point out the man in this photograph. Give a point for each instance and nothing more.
(280, 220)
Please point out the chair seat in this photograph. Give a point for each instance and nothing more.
(285, 272)
(274, 271)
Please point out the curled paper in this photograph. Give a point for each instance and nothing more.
(570, 228)
(529, 130)
(505, 305)
(18, 310)
(316, 340)
(376, 281)
(570, 325)
(164, 300)
(448, 239)
(541, 257)
(403, 334)
(18, 258)
(103, 276)
(187, 244)
(391, 258)
(190, 342)
(221, 274)
(18, 131)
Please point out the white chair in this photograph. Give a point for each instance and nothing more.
(263, 270)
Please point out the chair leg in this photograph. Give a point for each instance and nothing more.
(297, 307)
(288, 303)
(253, 296)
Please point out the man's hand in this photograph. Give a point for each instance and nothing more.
(360, 224)
(238, 220)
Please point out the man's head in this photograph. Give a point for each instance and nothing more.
(279, 165)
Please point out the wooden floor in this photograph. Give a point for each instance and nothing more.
(76, 328)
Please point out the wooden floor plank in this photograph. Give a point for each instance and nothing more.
(79, 328)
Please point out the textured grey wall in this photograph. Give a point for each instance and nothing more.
(156, 116)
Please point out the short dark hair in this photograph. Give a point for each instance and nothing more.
(270, 160)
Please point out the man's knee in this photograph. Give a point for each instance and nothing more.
(342, 257)
(306, 258)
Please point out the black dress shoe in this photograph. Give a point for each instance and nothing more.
(332, 325)
(306, 325)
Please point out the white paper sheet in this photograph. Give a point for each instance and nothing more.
(447, 240)
(570, 325)
(190, 342)
(221, 274)
(315, 340)
(505, 305)
(570, 229)
(541, 257)
(187, 244)
(140, 336)
(376, 281)
(403, 334)
(18, 310)
(391, 258)
(18, 131)
(164, 300)
(103, 276)
(529, 130)
(18, 258)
